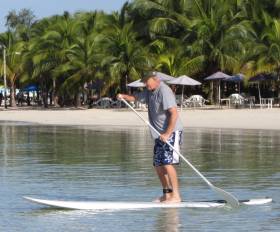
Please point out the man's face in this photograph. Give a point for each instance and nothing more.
(152, 83)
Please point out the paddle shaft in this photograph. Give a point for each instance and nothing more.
(149, 124)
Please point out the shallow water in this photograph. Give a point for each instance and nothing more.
(95, 163)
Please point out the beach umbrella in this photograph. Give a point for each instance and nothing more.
(163, 76)
(218, 76)
(30, 88)
(259, 78)
(183, 80)
(136, 84)
(237, 78)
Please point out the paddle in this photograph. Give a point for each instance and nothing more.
(229, 198)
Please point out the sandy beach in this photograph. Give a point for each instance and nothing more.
(203, 118)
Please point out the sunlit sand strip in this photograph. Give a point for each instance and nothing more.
(215, 118)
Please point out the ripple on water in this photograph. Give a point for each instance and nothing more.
(79, 163)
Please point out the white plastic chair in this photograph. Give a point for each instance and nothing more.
(236, 99)
(194, 101)
(104, 102)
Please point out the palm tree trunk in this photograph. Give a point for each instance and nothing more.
(124, 83)
(54, 94)
(45, 98)
(44, 93)
(77, 100)
(13, 92)
(211, 91)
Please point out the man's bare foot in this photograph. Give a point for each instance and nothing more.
(159, 199)
(164, 197)
(173, 200)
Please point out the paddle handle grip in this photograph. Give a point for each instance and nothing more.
(149, 124)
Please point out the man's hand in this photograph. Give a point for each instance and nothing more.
(126, 97)
(164, 137)
(119, 96)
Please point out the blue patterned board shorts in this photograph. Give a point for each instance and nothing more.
(164, 154)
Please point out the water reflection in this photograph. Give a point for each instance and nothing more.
(168, 220)
(4, 146)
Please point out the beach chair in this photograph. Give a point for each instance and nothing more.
(194, 101)
(104, 102)
(250, 101)
(237, 100)
(116, 104)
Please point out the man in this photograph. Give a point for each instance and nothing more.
(163, 116)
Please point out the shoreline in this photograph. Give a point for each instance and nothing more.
(266, 119)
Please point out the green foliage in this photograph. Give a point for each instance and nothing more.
(24, 17)
(63, 53)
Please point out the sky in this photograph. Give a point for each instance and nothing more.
(44, 8)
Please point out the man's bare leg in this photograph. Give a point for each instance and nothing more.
(165, 182)
(173, 180)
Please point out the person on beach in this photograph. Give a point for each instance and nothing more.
(163, 116)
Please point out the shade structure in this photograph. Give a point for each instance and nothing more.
(30, 88)
(183, 80)
(263, 77)
(136, 84)
(259, 78)
(160, 75)
(218, 76)
(163, 76)
(237, 79)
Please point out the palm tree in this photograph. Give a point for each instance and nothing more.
(48, 49)
(82, 57)
(124, 56)
(193, 37)
(165, 24)
(271, 38)
(13, 61)
(219, 33)
(176, 63)
(159, 17)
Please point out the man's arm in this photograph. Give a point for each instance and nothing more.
(171, 124)
(126, 97)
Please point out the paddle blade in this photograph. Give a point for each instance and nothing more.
(229, 198)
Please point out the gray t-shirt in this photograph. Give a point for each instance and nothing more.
(159, 101)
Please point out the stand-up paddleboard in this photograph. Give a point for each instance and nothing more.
(107, 205)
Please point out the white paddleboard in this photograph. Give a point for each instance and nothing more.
(107, 205)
